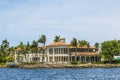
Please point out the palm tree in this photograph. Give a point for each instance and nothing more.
(81, 43)
(28, 47)
(10, 56)
(74, 43)
(22, 49)
(5, 46)
(57, 38)
(34, 46)
(96, 45)
(88, 46)
(42, 40)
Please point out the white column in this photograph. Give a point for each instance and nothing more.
(53, 55)
(48, 54)
(58, 58)
(80, 59)
(48, 58)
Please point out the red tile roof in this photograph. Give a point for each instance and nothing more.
(57, 44)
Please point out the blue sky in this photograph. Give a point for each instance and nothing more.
(91, 20)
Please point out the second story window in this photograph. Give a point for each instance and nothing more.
(51, 51)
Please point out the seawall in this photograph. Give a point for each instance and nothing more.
(68, 66)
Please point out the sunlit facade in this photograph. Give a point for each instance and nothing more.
(60, 52)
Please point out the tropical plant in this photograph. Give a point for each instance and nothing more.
(28, 47)
(74, 43)
(5, 47)
(2, 59)
(82, 43)
(96, 45)
(42, 40)
(22, 50)
(109, 49)
(34, 46)
(10, 56)
(88, 46)
(57, 38)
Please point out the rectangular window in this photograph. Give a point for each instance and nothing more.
(59, 50)
(62, 52)
(51, 59)
(66, 50)
(35, 59)
(56, 50)
(51, 51)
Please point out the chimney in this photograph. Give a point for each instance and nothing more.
(62, 40)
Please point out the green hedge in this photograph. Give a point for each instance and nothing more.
(74, 62)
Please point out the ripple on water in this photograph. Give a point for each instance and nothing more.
(60, 74)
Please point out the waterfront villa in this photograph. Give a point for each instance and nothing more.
(60, 52)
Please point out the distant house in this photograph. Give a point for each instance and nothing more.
(60, 52)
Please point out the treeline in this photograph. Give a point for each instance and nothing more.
(109, 49)
(7, 52)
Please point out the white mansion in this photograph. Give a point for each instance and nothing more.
(60, 52)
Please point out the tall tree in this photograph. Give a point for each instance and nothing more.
(74, 43)
(2, 56)
(57, 38)
(28, 47)
(96, 45)
(21, 45)
(82, 43)
(42, 40)
(88, 46)
(34, 46)
(109, 49)
(5, 46)
(10, 56)
(22, 49)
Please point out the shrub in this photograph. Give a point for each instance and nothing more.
(2, 59)
(116, 61)
(74, 62)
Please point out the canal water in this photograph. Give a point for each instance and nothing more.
(60, 74)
